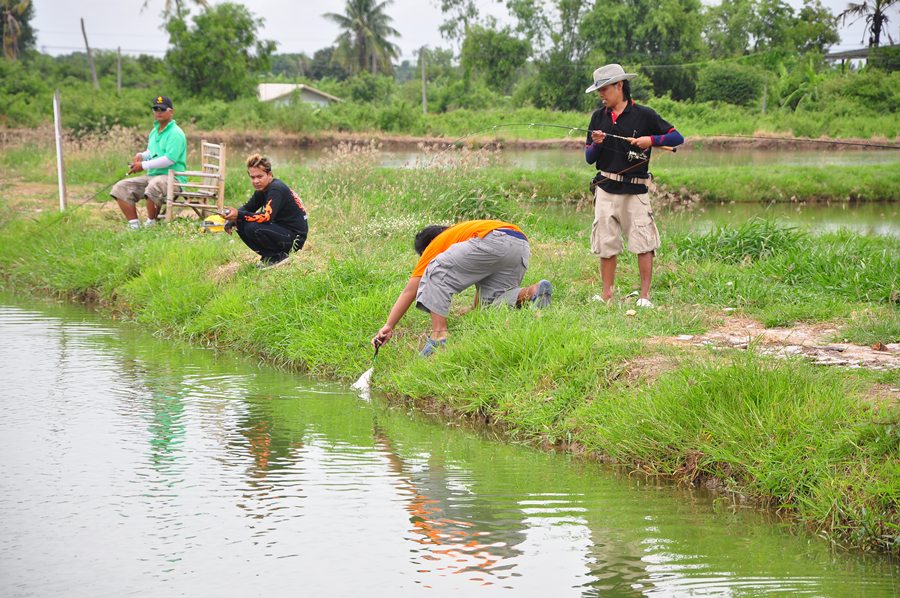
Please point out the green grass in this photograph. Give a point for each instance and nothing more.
(809, 440)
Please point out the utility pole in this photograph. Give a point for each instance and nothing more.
(119, 70)
(424, 94)
(90, 57)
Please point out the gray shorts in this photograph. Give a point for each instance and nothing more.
(137, 188)
(628, 216)
(495, 264)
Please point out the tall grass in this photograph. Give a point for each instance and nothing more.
(805, 439)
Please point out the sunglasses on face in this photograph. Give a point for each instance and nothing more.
(159, 108)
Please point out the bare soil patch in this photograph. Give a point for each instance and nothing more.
(812, 341)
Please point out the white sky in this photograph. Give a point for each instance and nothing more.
(296, 25)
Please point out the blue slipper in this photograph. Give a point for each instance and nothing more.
(431, 346)
(542, 294)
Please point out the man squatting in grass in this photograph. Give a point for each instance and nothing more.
(621, 200)
(273, 222)
(490, 254)
(166, 150)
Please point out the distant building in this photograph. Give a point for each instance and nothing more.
(284, 94)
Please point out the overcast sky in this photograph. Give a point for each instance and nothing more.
(296, 25)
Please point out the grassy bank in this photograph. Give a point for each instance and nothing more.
(819, 443)
(93, 162)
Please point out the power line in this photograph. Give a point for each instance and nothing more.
(81, 48)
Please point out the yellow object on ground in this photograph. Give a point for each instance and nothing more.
(214, 224)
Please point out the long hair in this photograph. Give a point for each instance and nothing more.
(425, 236)
(626, 90)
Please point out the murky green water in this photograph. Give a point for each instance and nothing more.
(877, 219)
(133, 466)
(863, 218)
(573, 157)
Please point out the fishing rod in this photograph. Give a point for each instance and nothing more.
(588, 131)
(547, 125)
(672, 149)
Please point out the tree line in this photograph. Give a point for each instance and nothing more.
(760, 53)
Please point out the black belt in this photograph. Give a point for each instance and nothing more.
(512, 233)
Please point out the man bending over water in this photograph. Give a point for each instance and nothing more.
(490, 254)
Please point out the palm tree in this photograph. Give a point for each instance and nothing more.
(364, 45)
(12, 25)
(875, 13)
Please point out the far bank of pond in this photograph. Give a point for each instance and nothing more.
(700, 172)
(817, 443)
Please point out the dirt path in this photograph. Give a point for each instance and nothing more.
(813, 341)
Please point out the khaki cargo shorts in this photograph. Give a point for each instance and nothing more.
(623, 216)
(136, 188)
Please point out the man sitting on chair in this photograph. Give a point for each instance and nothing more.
(273, 222)
(166, 150)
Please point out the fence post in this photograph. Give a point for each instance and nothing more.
(90, 57)
(424, 94)
(60, 166)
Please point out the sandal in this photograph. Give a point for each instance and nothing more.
(431, 346)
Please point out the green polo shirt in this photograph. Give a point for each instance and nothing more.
(171, 143)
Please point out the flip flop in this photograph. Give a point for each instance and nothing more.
(431, 346)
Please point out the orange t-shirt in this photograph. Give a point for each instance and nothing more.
(457, 234)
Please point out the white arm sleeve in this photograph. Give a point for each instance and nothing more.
(145, 155)
(161, 162)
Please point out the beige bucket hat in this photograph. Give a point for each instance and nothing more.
(605, 75)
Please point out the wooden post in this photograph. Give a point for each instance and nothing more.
(119, 70)
(90, 57)
(765, 96)
(60, 166)
(424, 94)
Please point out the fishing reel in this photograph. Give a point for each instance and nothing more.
(637, 155)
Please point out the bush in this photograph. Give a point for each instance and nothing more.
(731, 83)
(886, 58)
(871, 89)
(368, 88)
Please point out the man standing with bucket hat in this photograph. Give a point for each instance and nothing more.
(166, 150)
(621, 136)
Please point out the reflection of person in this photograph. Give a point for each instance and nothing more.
(273, 222)
(621, 201)
(166, 150)
(490, 254)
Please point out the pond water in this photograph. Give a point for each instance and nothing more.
(877, 219)
(134, 466)
(573, 157)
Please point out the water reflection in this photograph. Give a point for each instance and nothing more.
(136, 466)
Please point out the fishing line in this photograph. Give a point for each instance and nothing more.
(69, 211)
(808, 140)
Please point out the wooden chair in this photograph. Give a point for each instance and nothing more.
(204, 195)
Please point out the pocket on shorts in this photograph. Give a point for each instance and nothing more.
(642, 212)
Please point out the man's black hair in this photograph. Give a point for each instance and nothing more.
(426, 236)
(626, 90)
